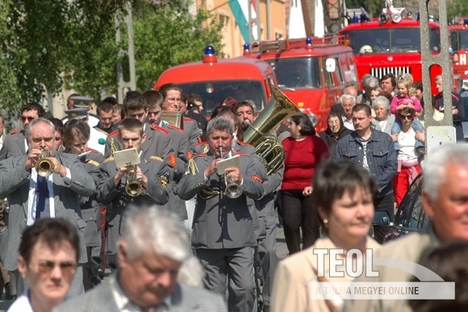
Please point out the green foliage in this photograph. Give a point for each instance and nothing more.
(166, 36)
(49, 44)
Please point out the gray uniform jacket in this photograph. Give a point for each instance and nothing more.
(180, 145)
(14, 184)
(221, 222)
(182, 299)
(109, 193)
(192, 132)
(13, 146)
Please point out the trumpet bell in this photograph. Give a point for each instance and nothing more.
(44, 167)
(133, 189)
(233, 190)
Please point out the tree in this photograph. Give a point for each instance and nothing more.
(168, 35)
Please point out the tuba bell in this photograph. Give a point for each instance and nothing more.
(44, 167)
(279, 108)
(132, 187)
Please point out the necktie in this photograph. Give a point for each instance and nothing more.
(42, 204)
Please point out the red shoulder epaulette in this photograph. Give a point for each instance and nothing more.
(92, 150)
(14, 131)
(156, 127)
(115, 132)
(201, 143)
(242, 154)
(244, 143)
(187, 119)
(176, 128)
(199, 155)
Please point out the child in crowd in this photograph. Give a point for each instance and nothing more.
(406, 98)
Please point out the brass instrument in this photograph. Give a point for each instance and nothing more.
(259, 134)
(44, 167)
(173, 118)
(132, 187)
(233, 190)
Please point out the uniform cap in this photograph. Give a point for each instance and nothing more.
(77, 113)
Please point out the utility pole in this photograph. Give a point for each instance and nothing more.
(125, 22)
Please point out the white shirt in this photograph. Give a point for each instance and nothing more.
(32, 201)
(407, 140)
(124, 304)
(21, 304)
(348, 123)
(2, 139)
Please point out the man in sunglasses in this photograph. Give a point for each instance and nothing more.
(15, 143)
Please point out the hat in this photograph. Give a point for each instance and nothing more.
(77, 113)
(81, 101)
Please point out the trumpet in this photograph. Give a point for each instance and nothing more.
(132, 187)
(233, 190)
(44, 167)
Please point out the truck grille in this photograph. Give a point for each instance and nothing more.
(380, 72)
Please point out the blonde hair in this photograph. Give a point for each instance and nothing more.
(407, 80)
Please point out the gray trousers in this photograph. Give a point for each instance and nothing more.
(267, 254)
(232, 269)
(76, 287)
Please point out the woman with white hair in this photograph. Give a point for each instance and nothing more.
(381, 106)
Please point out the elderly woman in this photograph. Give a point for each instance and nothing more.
(385, 120)
(335, 131)
(48, 255)
(343, 194)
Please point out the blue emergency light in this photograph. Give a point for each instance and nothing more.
(209, 55)
(246, 49)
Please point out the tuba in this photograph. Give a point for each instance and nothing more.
(44, 167)
(132, 187)
(259, 134)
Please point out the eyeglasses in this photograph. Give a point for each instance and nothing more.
(409, 117)
(26, 118)
(67, 268)
(174, 99)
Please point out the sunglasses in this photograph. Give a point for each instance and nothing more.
(26, 118)
(67, 268)
(409, 117)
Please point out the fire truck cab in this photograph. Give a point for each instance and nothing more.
(214, 80)
(390, 44)
(459, 44)
(310, 71)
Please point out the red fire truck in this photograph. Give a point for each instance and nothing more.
(214, 80)
(459, 41)
(390, 44)
(310, 71)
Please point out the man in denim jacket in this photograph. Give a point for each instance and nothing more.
(380, 160)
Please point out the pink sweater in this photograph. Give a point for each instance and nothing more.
(407, 100)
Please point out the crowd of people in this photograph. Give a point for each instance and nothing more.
(173, 203)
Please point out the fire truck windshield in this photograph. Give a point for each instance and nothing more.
(385, 40)
(462, 36)
(299, 72)
(213, 92)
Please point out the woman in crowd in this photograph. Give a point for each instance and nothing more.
(343, 194)
(303, 153)
(48, 256)
(75, 137)
(335, 131)
(381, 106)
(409, 142)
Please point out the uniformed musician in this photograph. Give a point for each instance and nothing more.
(223, 235)
(76, 136)
(150, 177)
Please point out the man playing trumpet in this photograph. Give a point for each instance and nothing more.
(223, 235)
(150, 176)
(52, 194)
